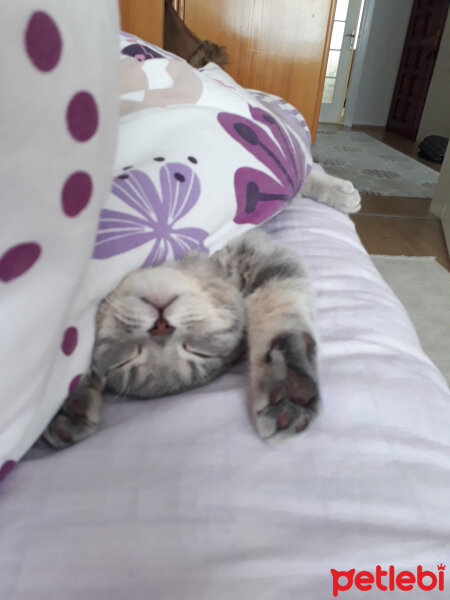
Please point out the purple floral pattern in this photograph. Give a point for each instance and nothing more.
(259, 195)
(133, 46)
(141, 52)
(286, 112)
(153, 217)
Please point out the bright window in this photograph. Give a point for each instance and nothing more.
(337, 35)
(341, 10)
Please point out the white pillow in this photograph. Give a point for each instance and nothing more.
(59, 114)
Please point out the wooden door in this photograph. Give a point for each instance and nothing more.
(278, 46)
(416, 67)
(144, 18)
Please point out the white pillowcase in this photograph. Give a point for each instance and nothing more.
(59, 116)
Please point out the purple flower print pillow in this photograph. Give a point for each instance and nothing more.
(199, 160)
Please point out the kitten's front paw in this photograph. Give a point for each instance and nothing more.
(347, 198)
(286, 398)
(77, 419)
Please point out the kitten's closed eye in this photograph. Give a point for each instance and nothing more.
(126, 361)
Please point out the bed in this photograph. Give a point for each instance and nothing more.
(177, 498)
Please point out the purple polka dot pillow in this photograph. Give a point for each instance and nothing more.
(58, 128)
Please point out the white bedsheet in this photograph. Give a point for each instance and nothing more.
(178, 498)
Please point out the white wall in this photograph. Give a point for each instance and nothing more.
(440, 205)
(436, 113)
(382, 59)
(441, 197)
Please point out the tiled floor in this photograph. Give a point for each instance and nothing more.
(399, 226)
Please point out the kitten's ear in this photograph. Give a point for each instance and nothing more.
(79, 416)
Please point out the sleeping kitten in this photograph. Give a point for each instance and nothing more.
(170, 328)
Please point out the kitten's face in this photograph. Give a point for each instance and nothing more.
(164, 329)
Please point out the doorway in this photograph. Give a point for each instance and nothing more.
(344, 39)
(420, 51)
(391, 221)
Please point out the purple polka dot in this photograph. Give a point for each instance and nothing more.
(70, 340)
(43, 41)
(179, 177)
(18, 259)
(74, 383)
(192, 159)
(7, 467)
(76, 193)
(82, 116)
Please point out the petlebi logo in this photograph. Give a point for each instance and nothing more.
(388, 580)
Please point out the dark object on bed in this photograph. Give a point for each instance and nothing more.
(433, 148)
(180, 40)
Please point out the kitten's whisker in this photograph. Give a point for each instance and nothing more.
(122, 393)
(121, 313)
(192, 322)
(190, 317)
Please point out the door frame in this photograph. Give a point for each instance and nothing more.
(329, 110)
(358, 63)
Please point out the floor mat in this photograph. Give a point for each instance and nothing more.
(423, 287)
(373, 167)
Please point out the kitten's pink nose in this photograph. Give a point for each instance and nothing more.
(161, 327)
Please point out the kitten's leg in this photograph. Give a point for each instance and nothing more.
(281, 338)
(79, 416)
(333, 191)
(281, 334)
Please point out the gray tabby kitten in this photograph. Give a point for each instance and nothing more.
(174, 327)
